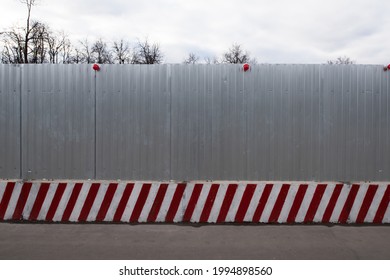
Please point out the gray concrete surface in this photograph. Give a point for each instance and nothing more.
(162, 241)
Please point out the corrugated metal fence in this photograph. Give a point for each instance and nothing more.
(195, 122)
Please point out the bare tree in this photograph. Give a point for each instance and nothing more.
(14, 41)
(66, 49)
(341, 60)
(213, 60)
(76, 57)
(191, 59)
(236, 55)
(12, 47)
(57, 43)
(121, 51)
(147, 53)
(86, 52)
(37, 46)
(26, 44)
(29, 28)
(101, 53)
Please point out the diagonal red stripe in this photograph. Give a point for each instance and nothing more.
(139, 205)
(6, 198)
(192, 202)
(262, 202)
(245, 201)
(39, 201)
(22, 201)
(123, 202)
(209, 203)
(273, 218)
(93, 190)
(332, 203)
(315, 202)
(56, 201)
(175, 202)
(380, 213)
(106, 202)
(348, 204)
(297, 203)
(366, 203)
(227, 201)
(72, 201)
(157, 203)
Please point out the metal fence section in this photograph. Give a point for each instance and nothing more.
(209, 127)
(58, 121)
(195, 122)
(9, 121)
(133, 122)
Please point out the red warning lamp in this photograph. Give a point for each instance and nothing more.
(96, 67)
(245, 67)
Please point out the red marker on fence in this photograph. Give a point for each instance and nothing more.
(96, 67)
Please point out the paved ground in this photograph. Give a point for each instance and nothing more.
(120, 241)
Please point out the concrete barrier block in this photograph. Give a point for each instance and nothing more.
(195, 202)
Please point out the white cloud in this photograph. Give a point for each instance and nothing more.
(279, 31)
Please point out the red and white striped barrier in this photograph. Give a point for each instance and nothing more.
(196, 202)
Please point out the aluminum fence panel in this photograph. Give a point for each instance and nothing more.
(283, 121)
(9, 121)
(133, 122)
(280, 122)
(191, 125)
(208, 122)
(58, 121)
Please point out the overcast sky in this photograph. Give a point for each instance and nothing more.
(273, 31)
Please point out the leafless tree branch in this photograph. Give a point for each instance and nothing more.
(147, 53)
(192, 58)
(121, 52)
(236, 55)
(341, 60)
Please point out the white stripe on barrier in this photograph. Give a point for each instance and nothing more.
(2, 189)
(201, 202)
(386, 217)
(115, 202)
(306, 202)
(80, 202)
(13, 201)
(277, 187)
(340, 203)
(218, 203)
(235, 203)
(149, 202)
(254, 202)
(184, 202)
(47, 201)
(374, 205)
(166, 203)
(358, 201)
(63, 202)
(292, 192)
(32, 196)
(324, 202)
(131, 202)
(97, 202)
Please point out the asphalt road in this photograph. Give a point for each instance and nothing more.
(162, 241)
